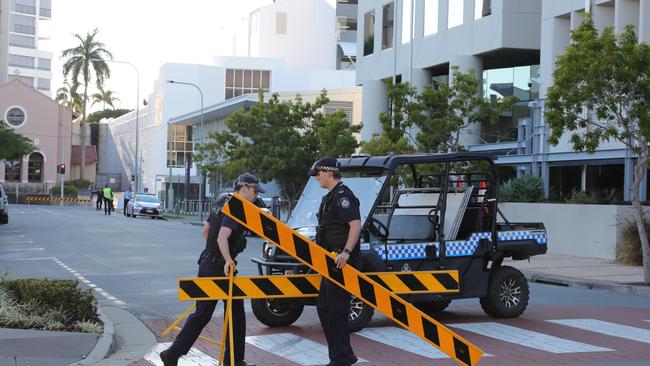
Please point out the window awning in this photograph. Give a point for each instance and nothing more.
(349, 48)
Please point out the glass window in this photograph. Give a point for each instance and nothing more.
(387, 26)
(455, 15)
(44, 64)
(239, 76)
(407, 17)
(46, 8)
(266, 80)
(347, 1)
(13, 170)
(248, 78)
(23, 24)
(240, 82)
(369, 34)
(280, 23)
(430, 17)
(35, 168)
(24, 6)
(178, 138)
(230, 78)
(22, 41)
(43, 84)
(25, 79)
(257, 79)
(482, 8)
(21, 61)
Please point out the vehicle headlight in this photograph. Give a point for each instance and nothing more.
(267, 249)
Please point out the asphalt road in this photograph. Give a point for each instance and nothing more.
(135, 263)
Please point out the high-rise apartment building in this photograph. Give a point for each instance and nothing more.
(21, 24)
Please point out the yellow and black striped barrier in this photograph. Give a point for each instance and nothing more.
(307, 285)
(353, 281)
(29, 199)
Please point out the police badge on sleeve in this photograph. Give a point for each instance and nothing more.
(344, 202)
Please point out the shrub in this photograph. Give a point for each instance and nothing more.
(527, 188)
(628, 248)
(79, 183)
(58, 300)
(583, 197)
(68, 190)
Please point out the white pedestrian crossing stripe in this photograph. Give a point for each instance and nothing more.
(193, 358)
(402, 339)
(607, 328)
(528, 338)
(292, 347)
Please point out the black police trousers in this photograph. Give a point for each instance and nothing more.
(209, 267)
(333, 305)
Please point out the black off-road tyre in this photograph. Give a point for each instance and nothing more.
(507, 293)
(433, 306)
(274, 313)
(360, 315)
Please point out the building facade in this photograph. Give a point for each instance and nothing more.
(49, 125)
(22, 30)
(511, 45)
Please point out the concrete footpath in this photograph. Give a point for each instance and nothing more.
(126, 339)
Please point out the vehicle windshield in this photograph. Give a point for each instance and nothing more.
(365, 185)
(151, 199)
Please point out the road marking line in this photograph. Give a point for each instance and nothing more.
(293, 347)
(528, 338)
(21, 249)
(401, 339)
(607, 328)
(90, 284)
(17, 242)
(48, 211)
(192, 358)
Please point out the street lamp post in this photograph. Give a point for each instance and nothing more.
(137, 118)
(201, 128)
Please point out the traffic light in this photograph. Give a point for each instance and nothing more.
(60, 168)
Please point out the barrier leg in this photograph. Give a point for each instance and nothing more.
(227, 322)
(175, 323)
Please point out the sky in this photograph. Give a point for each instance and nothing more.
(148, 33)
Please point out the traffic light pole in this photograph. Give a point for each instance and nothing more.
(63, 154)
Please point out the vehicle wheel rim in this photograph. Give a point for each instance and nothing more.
(510, 293)
(356, 308)
(277, 310)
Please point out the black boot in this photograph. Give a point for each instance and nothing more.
(168, 358)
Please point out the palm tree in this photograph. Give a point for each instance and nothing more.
(105, 97)
(68, 96)
(88, 56)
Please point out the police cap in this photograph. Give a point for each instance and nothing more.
(249, 180)
(328, 164)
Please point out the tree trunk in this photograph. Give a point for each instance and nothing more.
(82, 135)
(640, 169)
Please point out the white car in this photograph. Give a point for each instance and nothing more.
(4, 206)
(144, 204)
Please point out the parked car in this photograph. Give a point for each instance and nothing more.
(4, 206)
(144, 204)
(419, 212)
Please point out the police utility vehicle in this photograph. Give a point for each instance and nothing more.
(420, 212)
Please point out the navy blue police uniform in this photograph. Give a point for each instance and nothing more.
(338, 207)
(211, 264)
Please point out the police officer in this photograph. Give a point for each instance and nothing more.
(339, 225)
(224, 240)
(108, 200)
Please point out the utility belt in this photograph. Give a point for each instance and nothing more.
(210, 256)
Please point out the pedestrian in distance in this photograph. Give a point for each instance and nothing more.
(108, 200)
(100, 199)
(127, 197)
(339, 226)
(224, 241)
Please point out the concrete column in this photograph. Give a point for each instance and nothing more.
(546, 175)
(644, 22)
(628, 176)
(626, 12)
(603, 16)
(472, 134)
(643, 188)
(443, 12)
(2, 171)
(583, 178)
(375, 101)
(576, 18)
(4, 40)
(23, 170)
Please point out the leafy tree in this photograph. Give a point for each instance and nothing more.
(449, 109)
(601, 93)
(13, 145)
(105, 97)
(106, 113)
(278, 140)
(86, 61)
(394, 138)
(68, 96)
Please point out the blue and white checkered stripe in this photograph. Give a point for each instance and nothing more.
(457, 248)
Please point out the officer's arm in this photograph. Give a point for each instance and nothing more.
(206, 229)
(353, 234)
(222, 239)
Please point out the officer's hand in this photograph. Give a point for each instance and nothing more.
(341, 259)
(226, 267)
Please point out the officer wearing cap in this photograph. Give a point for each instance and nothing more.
(339, 225)
(224, 240)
